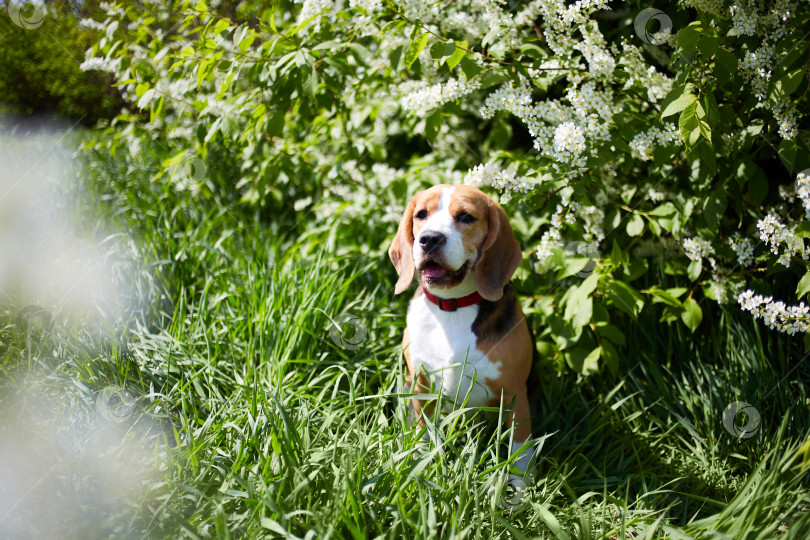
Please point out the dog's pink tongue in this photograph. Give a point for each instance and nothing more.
(434, 271)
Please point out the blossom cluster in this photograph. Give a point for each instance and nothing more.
(757, 66)
(591, 217)
(777, 315)
(744, 21)
(697, 248)
(424, 100)
(316, 9)
(743, 247)
(642, 74)
(645, 142)
(491, 175)
(100, 64)
(776, 235)
(803, 191)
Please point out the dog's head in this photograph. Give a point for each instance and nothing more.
(449, 232)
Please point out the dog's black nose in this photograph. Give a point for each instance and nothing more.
(430, 240)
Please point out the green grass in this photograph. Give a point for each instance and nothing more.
(249, 420)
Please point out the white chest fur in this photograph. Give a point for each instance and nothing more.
(443, 344)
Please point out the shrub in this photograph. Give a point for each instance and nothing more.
(648, 156)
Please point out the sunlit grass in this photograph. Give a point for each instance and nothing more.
(250, 419)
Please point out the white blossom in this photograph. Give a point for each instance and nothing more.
(777, 236)
(744, 249)
(491, 175)
(803, 191)
(645, 142)
(778, 316)
(743, 21)
(424, 100)
(697, 248)
(100, 64)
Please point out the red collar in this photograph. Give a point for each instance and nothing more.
(452, 304)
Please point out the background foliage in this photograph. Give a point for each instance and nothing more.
(39, 71)
(669, 151)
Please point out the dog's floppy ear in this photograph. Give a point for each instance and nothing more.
(498, 256)
(401, 250)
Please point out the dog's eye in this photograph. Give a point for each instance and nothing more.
(464, 217)
(421, 214)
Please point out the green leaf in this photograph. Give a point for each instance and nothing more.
(616, 254)
(457, 55)
(275, 124)
(579, 307)
(583, 314)
(610, 356)
(666, 209)
(624, 297)
(787, 153)
(678, 105)
(802, 230)
(707, 45)
(440, 49)
(692, 314)
(157, 108)
(416, 48)
(714, 206)
(725, 66)
(432, 125)
(612, 333)
(688, 37)
(689, 124)
(470, 67)
(635, 225)
(146, 98)
(804, 285)
(661, 296)
(782, 87)
(582, 360)
(393, 26)
(694, 270)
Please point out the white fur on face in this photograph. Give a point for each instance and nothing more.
(452, 253)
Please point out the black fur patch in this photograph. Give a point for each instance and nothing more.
(495, 319)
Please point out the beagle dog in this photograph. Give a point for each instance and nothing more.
(465, 331)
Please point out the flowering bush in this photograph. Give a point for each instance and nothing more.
(648, 156)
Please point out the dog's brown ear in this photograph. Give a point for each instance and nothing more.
(401, 250)
(498, 256)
